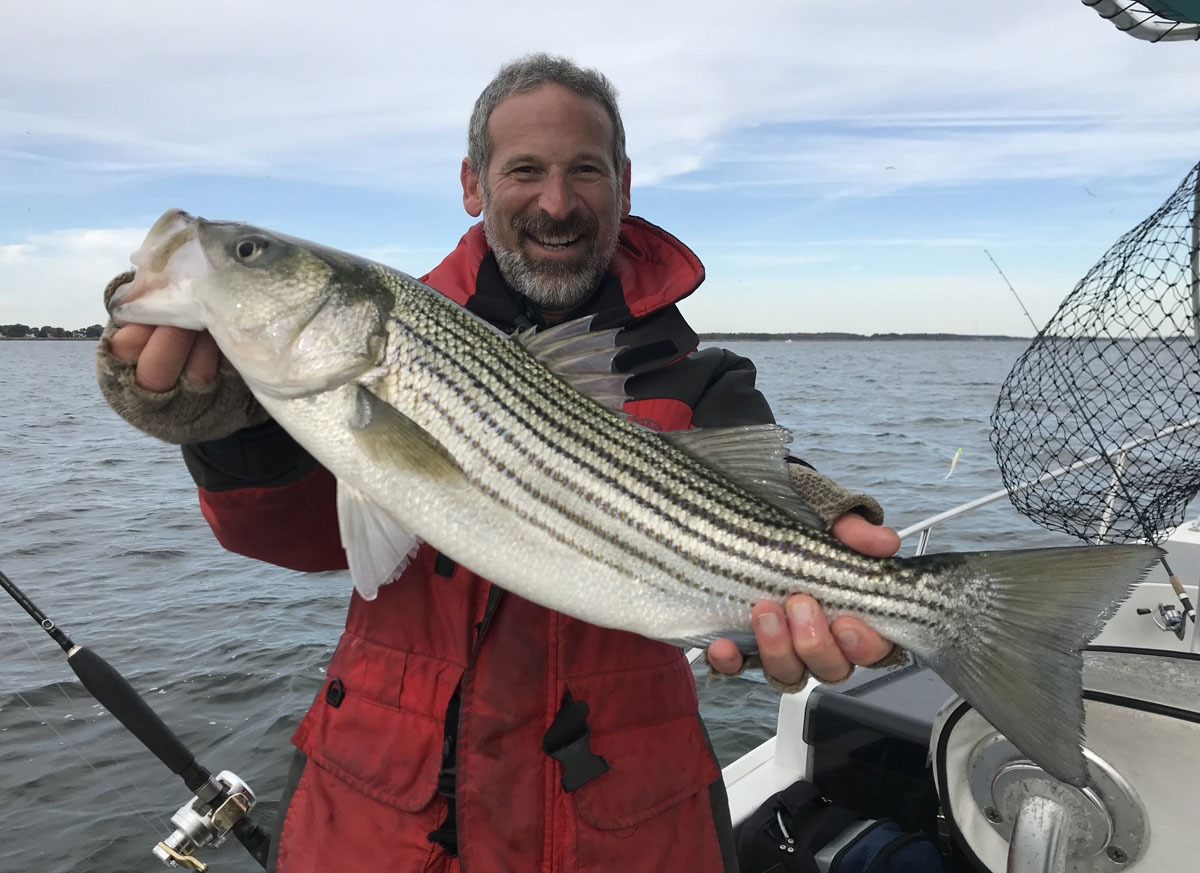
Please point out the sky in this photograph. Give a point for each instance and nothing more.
(836, 166)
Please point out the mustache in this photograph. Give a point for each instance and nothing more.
(542, 224)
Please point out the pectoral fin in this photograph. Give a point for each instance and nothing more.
(377, 547)
(389, 437)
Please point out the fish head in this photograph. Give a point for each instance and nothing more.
(293, 317)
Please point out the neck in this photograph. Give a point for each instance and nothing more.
(552, 315)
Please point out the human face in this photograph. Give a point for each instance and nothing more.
(551, 199)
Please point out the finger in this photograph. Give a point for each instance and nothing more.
(162, 360)
(775, 649)
(202, 361)
(813, 641)
(859, 534)
(859, 643)
(127, 343)
(724, 657)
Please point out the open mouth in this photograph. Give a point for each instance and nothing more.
(555, 243)
(140, 285)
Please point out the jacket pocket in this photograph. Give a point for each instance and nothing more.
(372, 724)
(652, 741)
(651, 769)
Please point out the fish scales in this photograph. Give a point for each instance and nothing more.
(439, 427)
(690, 513)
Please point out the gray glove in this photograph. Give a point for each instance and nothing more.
(185, 413)
(829, 499)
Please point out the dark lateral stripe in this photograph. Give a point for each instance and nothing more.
(547, 421)
(868, 571)
(549, 398)
(652, 453)
(538, 402)
(758, 584)
(496, 428)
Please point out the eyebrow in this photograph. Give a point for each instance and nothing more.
(521, 159)
(530, 158)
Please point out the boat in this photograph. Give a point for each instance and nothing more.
(899, 745)
(1151, 20)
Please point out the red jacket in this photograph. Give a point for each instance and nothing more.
(374, 740)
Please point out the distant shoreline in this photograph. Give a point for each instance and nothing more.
(853, 337)
(710, 337)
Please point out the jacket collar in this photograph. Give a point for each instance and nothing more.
(650, 270)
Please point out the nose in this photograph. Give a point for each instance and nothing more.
(557, 197)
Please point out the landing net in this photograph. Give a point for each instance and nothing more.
(1097, 427)
(1153, 20)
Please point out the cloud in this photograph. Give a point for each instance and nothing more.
(116, 111)
(57, 278)
(966, 302)
(16, 253)
(368, 93)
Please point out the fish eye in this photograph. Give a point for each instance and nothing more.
(249, 248)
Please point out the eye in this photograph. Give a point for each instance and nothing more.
(248, 248)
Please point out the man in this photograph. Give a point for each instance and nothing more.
(463, 727)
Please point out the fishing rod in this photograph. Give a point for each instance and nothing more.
(1013, 290)
(1169, 618)
(221, 804)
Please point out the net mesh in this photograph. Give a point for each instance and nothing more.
(1109, 391)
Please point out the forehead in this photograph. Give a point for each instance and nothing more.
(549, 121)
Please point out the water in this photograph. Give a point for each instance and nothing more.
(99, 526)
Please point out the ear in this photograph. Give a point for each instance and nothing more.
(472, 192)
(626, 178)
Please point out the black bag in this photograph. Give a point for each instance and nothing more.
(783, 835)
(799, 831)
(880, 846)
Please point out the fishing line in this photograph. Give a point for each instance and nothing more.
(94, 853)
(1013, 290)
(221, 804)
(74, 748)
(1112, 372)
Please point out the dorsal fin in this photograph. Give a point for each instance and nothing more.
(753, 456)
(580, 357)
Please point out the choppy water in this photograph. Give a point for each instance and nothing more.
(100, 527)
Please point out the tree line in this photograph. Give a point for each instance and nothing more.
(22, 331)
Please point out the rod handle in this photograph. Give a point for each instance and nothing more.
(119, 697)
(254, 838)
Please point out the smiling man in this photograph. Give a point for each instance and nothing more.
(551, 194)
(462, 727)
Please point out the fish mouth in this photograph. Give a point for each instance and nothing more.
(165, 265)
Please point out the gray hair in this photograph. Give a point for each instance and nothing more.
(528, 73)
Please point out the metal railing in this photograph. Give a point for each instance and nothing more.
(1117, 457)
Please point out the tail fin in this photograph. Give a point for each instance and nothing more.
(1015, 654)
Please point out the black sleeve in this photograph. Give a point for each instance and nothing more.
(728, 397)
(720, 389)
(263, 456)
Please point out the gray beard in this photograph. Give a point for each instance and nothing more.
(549, 284)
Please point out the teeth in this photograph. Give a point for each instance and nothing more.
(556, 241)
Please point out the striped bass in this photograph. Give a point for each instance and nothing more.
(510, 456)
